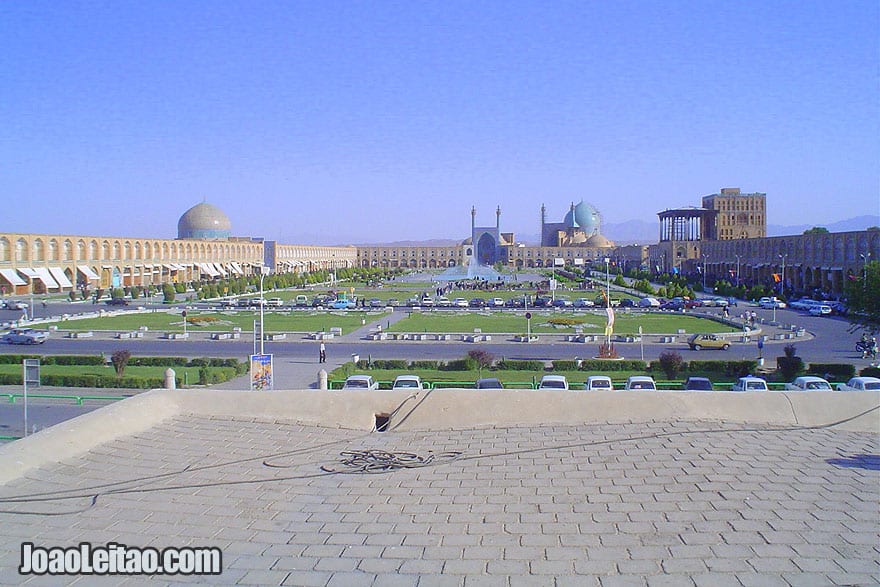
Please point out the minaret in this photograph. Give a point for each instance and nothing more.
(573, 220)
(473, 218)
(498, 218)
(543, 221)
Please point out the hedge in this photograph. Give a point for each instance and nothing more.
(836, 370)
(53, 359)
(467, 364)
(506, 365)
(604, 365)
(428, 365)
(565, 365)
(870, 372)
(729, 368)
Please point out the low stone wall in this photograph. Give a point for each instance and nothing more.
(439, 409)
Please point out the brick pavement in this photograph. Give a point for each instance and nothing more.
(653, 503)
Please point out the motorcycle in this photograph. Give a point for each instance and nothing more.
(868, 349)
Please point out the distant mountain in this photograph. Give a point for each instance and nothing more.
(632, 232)
(850, 224)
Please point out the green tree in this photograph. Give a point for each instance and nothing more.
(168, 292)
(816, 230)
(671, 363)
(120, 359)
(863, 298)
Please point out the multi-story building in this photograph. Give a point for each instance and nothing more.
(737, 215)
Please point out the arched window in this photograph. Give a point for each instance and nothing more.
(67, 253)
(39, 250)
(4, 249)
(21, 250)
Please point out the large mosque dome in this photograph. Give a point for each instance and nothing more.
(585, 217)
(204, 221)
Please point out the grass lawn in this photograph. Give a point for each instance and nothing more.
(286, 321)
(592, 323)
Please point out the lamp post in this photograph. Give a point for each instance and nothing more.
(738, 258)
(607, 282)
(704, 272)
(865, 268)
(782, 288)
(263, 271)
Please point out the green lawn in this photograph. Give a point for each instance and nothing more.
(286, 321)
(592, 323)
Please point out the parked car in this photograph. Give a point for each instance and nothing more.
(584, 303)
(515, 303)
(342, 304)
(274, 302)
(542, 302)
(693, 304)
(598, 383)
(562, 302)
(116, 302)
(496, 303)
(627, 303)
(393, 302)
(376, 303)
(489, 383)
(25, 336)
(16, 305)
(301, 301)
(321, 301)
(770, 303)
(808, 383)
(820, 310)
(553, 382)
(649, 303)
(750, 384)
(407, 382)
(698, 384)
(427, 301)
(707, 341)
(640, 382)
(673, 305)
(460, 303)
(860, 384)
(443, 302)
(477, 303)
(360, 382)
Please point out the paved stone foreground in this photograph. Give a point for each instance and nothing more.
(626, 504)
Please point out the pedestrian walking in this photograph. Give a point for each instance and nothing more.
(322, 354)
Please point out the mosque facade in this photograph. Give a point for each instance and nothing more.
(691, 240)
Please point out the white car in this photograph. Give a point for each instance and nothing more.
(496, 303)
(460, 303)
(750, 384)
(584, 303)
(808, 383)
(553, 382)
(443, 302)
(275, 302)
(360, 382)
(770, 303)
(649, 303)
(860, 384)
(25, 336)
(820, 310)
(640, 382)
(16, 305)
(407, 382)
(598, 383)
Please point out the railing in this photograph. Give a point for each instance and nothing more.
(617, 384)
(12, 397)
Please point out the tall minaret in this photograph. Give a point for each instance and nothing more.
(573, 220)
(543, 221)
(498, 218)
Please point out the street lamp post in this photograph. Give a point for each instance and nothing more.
(263, 271)
(704, 273)
(738, 258)
(782, 288)
(865, 268)
(607, 282)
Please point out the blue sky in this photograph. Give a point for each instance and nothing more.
(339, 122)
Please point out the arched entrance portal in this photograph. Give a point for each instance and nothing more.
(486, 250)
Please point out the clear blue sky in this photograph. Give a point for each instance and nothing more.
(323, 121)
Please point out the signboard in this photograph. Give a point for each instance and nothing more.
(32, 372)
(578, 261)
(261, 373)
(553, 284)
(559, 261)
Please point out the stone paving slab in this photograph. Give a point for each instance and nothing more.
(650, 503)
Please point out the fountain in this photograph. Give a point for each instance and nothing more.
(473, 270)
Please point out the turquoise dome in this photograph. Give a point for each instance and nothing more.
(586, 217)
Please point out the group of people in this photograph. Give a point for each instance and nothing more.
(868, 346)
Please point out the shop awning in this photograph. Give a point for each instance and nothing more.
(40, 273)
(60, 277)
(237, 268)
(87, 271)
(209, 269)
(12, 277)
